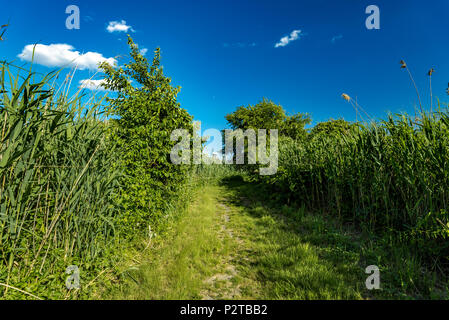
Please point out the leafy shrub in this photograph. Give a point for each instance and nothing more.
(147, 112)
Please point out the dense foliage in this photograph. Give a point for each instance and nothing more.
(147, 113)
(268, 115)
(76, 175)
(391, 177)
(56, 182)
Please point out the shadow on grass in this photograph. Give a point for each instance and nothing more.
(323, 227)
(298, 255)
(343, 249)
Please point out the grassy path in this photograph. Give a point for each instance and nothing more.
(229, 245)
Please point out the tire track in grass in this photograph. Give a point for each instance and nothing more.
(223, 281)
(192, 261)
(286, 253)
(229, 246)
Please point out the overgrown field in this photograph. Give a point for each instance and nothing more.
(84, 182)
(389, 178)
(80, 178)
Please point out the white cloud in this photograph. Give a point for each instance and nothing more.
(294, 35)
(143, 51)
(95, 85)
(118, 26)
(63, 55)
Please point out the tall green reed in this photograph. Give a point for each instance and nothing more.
(57, 178)
(390, 176)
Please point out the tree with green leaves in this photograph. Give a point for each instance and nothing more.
(265, 115)
(146, 110)
(332, 128)
(268, 115)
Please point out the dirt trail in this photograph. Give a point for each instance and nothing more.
(223, 280)
(228, 246)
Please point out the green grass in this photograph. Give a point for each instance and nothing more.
(234, 243)
(228, 246)
(301, 254)
(287, 251)
(177, 265)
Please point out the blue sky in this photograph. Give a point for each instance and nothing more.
(223, 53)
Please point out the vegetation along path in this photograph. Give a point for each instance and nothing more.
(228, 245)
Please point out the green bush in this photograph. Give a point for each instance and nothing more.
(76, 177)
(147, 112)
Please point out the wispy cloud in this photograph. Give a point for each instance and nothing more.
(239, 45)
(336, 38)
(88, 18)
(63, 55)
(294, 35)
(143, 51)
(118, 26)
(94, 85)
